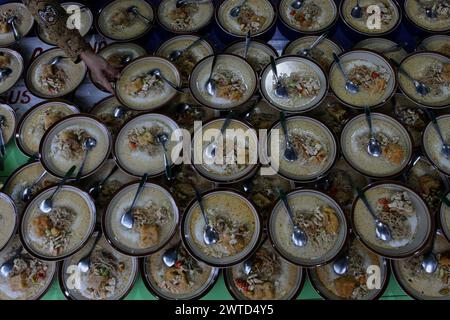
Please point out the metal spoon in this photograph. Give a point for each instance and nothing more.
(88, 144)
(394, 47)
(236, 11)
(8, 265)
(135, 11)
(445, 147)
(176, 54)
(127, 219)
(183, 3)
(125, 59)
(382, 231)
(12, 22)
(94, 191)
(248, 39)
(307, 51)
(4, 72)
(297, 4)
(373, 146)
(210, 234)
(420, 87)
(429, 261)
(356, 11)
(299, 237)
(349, 85)
(280, 88)
(85, 263)
(2, 140)
(247, 266)
(289, 152)
(170, 257)
(157, 73)
(55, 60)
(162, 139)
(340, 265)
(210, 150)
(27, 192)
(431, 13)
(210, 85)
(46, 205)
(119, 112)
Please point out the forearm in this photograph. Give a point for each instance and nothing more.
(51, 16)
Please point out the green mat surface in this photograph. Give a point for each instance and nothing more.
(139, 292)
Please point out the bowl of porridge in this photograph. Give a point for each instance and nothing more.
(46, 80)
(234, 218)
(155, 220)
(402, 210)
(271, 277)
(8, 218)
(385, 47)
(372, 73)
(416, 12)
(256, 16)
(136, 148)
(118, 22)
(63, 145)
(37, 120)
(313, 17)
(438, 43)
(111, 275)
(390, 16)
(62, 232)
(30, 277)
(395, 141)
(421, 285)
(322, 220)
(187, 279)
(305, 82)
(353, 285)
(225, 158)
(235, 79)
(8, 127)
(23, 23)
(314, 144)
(187, 18)
(11, 63)
(140, 89)
(433, 71)
(187, 61)
(432, 144)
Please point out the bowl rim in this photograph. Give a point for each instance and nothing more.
(207, 41)
(440, 213)
(19, 57)
(37, 255)
(249, 174)
(258, 222)
(434, 32)
(39, 32)
(101, 126)
(386, 177)
(137, 60)
(69, 296)
(422, 145)
(201, 103)
(218, 7)
(385, 264)
(146, 252)
(147, 30)
(116, 138)
(17, 218)
(368, 34)
(97, 85)
(307, 32)
(145, 279)
(12, 112)
(31, 110)
(410, 97)
(325, 40)
(281, 59)
(31, 88)
(324, 126)
(344, 219)
(180, 32)
(10, 44)
(392, 74)
(299, 285)
(412, 252)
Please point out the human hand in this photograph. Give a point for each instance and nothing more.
(102, 72)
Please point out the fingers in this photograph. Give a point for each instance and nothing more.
(102, 80)
(111, 72)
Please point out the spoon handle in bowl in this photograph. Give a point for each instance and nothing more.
(363, 198)
(202, 207)
(339, 64)
(248, 40)
(369, 120)
(63, 181)
(213, 66)
(318, 40)
(433, 119)
(273, 65)
(139, 190)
